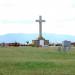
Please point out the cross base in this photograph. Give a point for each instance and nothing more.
(41, 38)
(37, 43)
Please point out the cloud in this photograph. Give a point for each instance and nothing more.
(7, 5)
(73, 3)
(20, 21)
(59, 16)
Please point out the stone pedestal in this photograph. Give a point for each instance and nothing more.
(37, 42)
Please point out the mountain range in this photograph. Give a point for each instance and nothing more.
(22, 38)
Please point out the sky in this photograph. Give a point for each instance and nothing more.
(18, 16)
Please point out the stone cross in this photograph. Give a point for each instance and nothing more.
(40, 25)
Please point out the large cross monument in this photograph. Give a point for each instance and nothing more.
(40, 27)
(40, 41)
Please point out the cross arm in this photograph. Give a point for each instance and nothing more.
(37, 20)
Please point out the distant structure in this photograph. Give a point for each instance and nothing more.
(40, 41)
(15, 44)
(66, 45)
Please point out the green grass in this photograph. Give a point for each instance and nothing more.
(36, 61)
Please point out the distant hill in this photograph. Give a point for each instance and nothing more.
(22, 38)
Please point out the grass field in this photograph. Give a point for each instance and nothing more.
(36, 61)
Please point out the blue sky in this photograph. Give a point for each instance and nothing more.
(18, 16)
